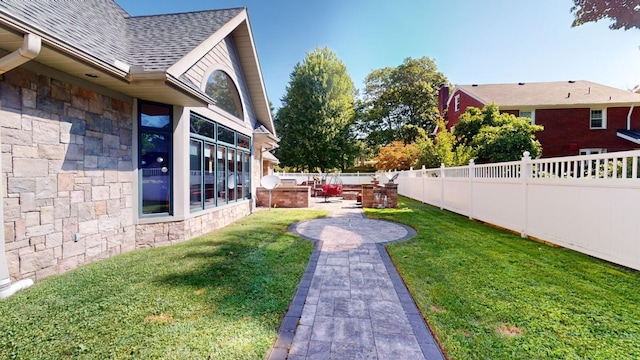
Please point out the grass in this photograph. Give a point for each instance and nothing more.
(489, 294)
(220, 296)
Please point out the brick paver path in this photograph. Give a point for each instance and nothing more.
(351, 302)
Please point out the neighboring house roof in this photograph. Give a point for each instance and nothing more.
(550, 94)
(81, 36)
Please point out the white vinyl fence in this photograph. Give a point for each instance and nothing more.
(590, 203)
(347, 178)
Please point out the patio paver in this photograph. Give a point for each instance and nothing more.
(351, 303)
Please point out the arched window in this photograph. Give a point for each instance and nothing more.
(223, 90)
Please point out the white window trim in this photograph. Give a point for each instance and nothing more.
(456, 102)
(533, 115)
(591, 151)
(604, 119)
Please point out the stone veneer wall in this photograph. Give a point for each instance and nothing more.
(162, 234)
(67, 170)
(388, 192)
(284, 196)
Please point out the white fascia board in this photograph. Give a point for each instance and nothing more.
(633, 140)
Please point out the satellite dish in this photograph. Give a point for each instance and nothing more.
(270, 181)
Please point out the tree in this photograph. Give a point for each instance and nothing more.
(395, 97)
(442, 149)
(315, 119)
(396, 156)
(625, 14)
(496, 137)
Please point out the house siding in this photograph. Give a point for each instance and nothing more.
(566, 130)
(453, 117)
(223, 56)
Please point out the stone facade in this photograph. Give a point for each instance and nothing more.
(67, 179)
(67, 174)
(284, 197)
(162, 234)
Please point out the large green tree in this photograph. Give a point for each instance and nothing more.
(396, 97)
(624, 14)
(314, 122)
(496, 137)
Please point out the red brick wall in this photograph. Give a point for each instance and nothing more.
(284, 197)
(465, 102)
(566, 131)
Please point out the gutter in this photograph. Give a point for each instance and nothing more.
(629, 117)
(31, 46)
(30, 49)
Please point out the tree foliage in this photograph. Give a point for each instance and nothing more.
(395, 97)
(315, 119)
(624, 14)
(494, 136)
(443, 149)
(396, 156)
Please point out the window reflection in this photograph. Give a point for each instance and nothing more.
(223, 90)
(155, 142)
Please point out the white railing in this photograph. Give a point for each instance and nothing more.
(347, 178)
(586, 203)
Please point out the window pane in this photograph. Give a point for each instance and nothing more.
(202, 127)
(231, 175)
(226, 135)
(195, 180)
(155, 116)
(244, 141)
(209, 175)
(154, 165)
(221, 171)
(246, 174)
(223, 90)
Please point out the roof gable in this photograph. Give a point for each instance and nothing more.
(157, 42)
(550, 94)
(140, 50)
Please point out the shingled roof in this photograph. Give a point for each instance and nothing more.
(551, 94)
(101, 28)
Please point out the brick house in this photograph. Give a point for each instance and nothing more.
(579, 117)
(122, 132)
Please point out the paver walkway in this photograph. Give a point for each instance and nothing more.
(351, 302)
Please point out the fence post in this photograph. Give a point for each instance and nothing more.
(441, 186)
(472, 175)
(422, 175)
(525, 173)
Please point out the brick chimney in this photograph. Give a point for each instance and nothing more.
(443, 97)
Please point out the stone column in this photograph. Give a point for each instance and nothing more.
(392, 195)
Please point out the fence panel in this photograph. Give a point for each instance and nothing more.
(586, 203)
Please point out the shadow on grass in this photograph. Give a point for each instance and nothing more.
(220, 296)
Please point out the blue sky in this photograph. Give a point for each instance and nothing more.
(472, 41)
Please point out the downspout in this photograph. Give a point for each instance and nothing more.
(629, 117)
(30, 49)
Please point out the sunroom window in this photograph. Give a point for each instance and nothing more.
(223, 90)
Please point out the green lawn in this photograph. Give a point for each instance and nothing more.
(488, 294)
(220, 296)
